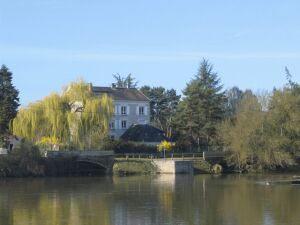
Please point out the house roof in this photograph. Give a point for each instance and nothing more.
(116, 93)
(144, 133)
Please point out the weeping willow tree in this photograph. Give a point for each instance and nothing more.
(75, 119)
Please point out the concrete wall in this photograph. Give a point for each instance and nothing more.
(3, 151)
(173, 166)
(132, 116)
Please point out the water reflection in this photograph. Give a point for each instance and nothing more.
(168, 199)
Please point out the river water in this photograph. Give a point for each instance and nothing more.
(164, 199)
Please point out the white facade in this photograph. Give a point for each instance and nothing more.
(128, 113)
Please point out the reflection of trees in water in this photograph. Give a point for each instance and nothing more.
(207, 200)
(284, 202)
(245, 202)
(241, 203)
(55, 201)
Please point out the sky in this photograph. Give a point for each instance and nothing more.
(49, 43)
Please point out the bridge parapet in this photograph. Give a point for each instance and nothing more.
(90, 153)
(104, 159)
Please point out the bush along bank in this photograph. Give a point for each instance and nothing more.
(23, 161)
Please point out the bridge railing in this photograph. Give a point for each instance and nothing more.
(89, 153)
(159, 155)
(197, 155)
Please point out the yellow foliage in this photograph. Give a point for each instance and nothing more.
(76, 118)
(165, 145)
(49, 140)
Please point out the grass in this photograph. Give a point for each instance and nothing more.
(133, 166)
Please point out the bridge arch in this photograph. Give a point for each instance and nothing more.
(92, 162)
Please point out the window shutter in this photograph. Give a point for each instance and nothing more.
(127, 109)
(137, 110)
(146, 110)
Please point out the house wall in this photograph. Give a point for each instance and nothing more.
(132, 116)
(13, 142)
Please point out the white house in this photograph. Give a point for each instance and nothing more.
(131, 107)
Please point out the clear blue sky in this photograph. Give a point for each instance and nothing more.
(48, 43)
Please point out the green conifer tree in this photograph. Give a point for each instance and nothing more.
(9, 101)
(202, 107)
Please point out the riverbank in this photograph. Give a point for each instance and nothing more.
(25, 166)
(133, 166)
(147, 166)
(29, 163)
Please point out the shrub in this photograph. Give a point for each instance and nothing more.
(22, 161)
(217, 169)
(165, 146)
(119, 146)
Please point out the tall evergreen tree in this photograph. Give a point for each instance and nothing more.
(9, 100)
(202, 107)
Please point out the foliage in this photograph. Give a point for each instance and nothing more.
(48, 142)
(119, 146)
(74, 119)
(234, 96)
(237, 134)
(202, 166)
(132, 166)
(163, 105)
(264, 139)
(125, 82)
(202, 108)
(9, 101)
(283, 120)
(3, 141)
(217, 169)
(25, 160)
(165, 146)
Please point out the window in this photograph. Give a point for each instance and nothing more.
(123, 110)
(112, 125)
(124, 124)
(141, 110)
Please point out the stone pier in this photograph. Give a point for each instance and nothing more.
(173, 166)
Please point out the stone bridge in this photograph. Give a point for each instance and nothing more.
(103, 159)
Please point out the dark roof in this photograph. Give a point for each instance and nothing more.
(132, 94)
(144, 133)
